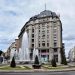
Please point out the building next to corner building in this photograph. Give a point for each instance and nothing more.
(71, 54)
(14, 47)
(45, 34)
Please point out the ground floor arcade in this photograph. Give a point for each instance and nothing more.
(46, 55)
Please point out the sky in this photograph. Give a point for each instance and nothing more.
(15, 13)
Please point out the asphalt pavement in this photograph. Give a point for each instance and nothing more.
(38, 73)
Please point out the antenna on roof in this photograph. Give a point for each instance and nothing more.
(45, 6)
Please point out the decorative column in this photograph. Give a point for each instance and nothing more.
(50, 54)
(59, 56)
(40, 55)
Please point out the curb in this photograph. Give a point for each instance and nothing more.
(36, 70)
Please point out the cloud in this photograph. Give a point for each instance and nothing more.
(69, 38)
(14, 14)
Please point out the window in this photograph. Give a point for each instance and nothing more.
(33, 35)
(43, 28)
(54, 35)
(39, 45)
(55, 44)
(43, 35)
(31, 50)
(47, 40)
(47, 26)
(43, 44)
(47, 36)
(43, 41)
(43, 20)
(47, 44)
(39, 30)
(55, 40)
(55, 49)
(32, 45)
(54, 27)
(43, 31)
(54, 30)
(43, 25)
(39, 20)
(39, 26)
(47, 23)
(15, 44)
(47, 18)
(47, 50)
(47, 31)
(39, 37)
(43, 51)
(32, 30)
(32, 40)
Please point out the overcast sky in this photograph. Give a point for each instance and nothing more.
(14, 14)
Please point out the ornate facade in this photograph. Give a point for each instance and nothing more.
(45, 34)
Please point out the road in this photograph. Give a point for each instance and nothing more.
(38, 73)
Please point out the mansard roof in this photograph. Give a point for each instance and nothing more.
(44, 13)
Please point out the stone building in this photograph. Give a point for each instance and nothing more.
(17, 44)
(45, 34)
(13, 48)
(71, 54)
